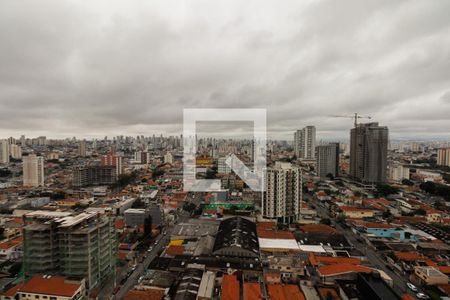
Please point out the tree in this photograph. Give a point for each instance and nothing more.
(188, 206)
(387, 214)
(330, 176)
(407, 182)
(5, 172)
(421, 212)
(325, 221)
(386, 190)
(428, 186)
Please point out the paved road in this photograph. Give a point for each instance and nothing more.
(162, 241)
(373, 257)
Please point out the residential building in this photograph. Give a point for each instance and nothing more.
(368, 152)
(79, 246)
(328, 160)
(135, 216)
(398, 173)
(94, 175)
(443, 157)
(305, 143)
(113, 160)
(47, 287)
(33, 170)
(15, 151)
(222, 167)
(82, 148)
(168, 158)
(4, 152)
(282, 198)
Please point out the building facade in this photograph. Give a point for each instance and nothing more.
(305, 143)
(368, 152)
(81, 246)
(283, 192)
(4, 152)
(443, 157)
(327, 160)
(33, 170)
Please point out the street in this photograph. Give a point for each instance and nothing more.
(399, 282)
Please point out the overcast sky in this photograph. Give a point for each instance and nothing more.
(96, 68)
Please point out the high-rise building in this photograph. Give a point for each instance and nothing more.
(222, 167)
(398, 172)
(33, 170)
(4, 152)
(94, 175)
(82, 148)
(168, 158)
(113, 160)
(443, 157)
(78, 246)
(283, 193)
(328, 160)
(305, 143)
(368, 152)
(15, 151)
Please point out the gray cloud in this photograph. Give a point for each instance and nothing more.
(107, 67)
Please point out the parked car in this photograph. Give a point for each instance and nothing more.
(412, 287)
(422, 296)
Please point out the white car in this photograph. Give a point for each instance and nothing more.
(412, 287)
(150, 249)
(422, 296)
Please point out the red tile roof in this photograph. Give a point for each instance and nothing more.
(407, 297)
(252, 291)
(408, 256)
(148, 294)
(336, 269)
(230, 287)
(55, 285)
(317, 260)
(174, 250)
(317, 228)
(284, 292)
(12, 243)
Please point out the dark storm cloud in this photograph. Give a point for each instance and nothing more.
(109, 67)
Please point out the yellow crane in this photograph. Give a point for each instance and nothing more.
(356, 116)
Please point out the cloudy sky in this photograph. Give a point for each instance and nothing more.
(95, 68)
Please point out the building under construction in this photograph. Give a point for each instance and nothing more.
(76, 246)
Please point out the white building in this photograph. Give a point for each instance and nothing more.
(282, 199)
(398, 173)
(15, 151)
(168, 158)
(222, 167)
(4, 152)
(443, 157)
(305, 143)
(33, 170)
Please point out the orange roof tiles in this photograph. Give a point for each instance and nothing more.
(316, 260)
(148, 294)
(284, 292)
(12, 291)
(355, 209)
(408, 256)
(174, 250)
(407, 297)
(12, 243)
(444, 269)
(335, 269)
(317, 228)
(55, 285)
(119, 223)
(252, 291)
(230, 287)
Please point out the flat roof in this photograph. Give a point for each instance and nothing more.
(290, 244)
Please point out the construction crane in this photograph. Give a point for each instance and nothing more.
(355, 117)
